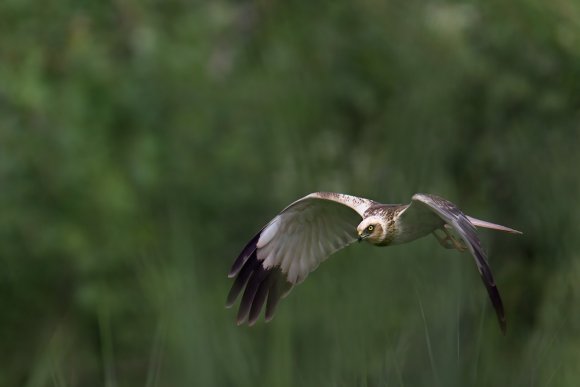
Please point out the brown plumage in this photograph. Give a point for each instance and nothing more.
(306, 232)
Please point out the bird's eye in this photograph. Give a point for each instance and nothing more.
(370, 228)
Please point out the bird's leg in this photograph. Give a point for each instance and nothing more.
(448, 240)
(444, 240)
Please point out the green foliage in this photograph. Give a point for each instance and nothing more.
(143, 143)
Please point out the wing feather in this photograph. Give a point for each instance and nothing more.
(291, 246)
(269, 232)
(422, 209)
(249, 294)
(259, 299)
(244, 255)
(278, 289)
(241, 280)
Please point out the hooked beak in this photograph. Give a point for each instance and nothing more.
(361, 236)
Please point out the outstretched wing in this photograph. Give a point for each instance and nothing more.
(432, 209)
(292, 245)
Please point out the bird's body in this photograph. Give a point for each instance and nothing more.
(306, 232)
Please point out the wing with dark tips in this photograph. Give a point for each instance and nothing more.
(425, 206)
(288, 248)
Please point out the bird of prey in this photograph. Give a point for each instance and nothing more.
(306, 232)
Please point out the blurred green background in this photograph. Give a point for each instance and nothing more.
(142, 143)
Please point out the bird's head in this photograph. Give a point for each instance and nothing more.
(371, 229)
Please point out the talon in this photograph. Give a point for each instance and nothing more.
(449, 241)
(444, 240)
(459, 245)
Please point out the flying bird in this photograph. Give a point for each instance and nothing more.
(312, 228)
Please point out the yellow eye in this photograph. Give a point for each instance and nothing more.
(370, 228)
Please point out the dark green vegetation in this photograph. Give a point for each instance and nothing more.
(143, 143)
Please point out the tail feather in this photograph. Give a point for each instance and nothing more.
(493, 226)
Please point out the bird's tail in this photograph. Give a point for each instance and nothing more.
(493, 226)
